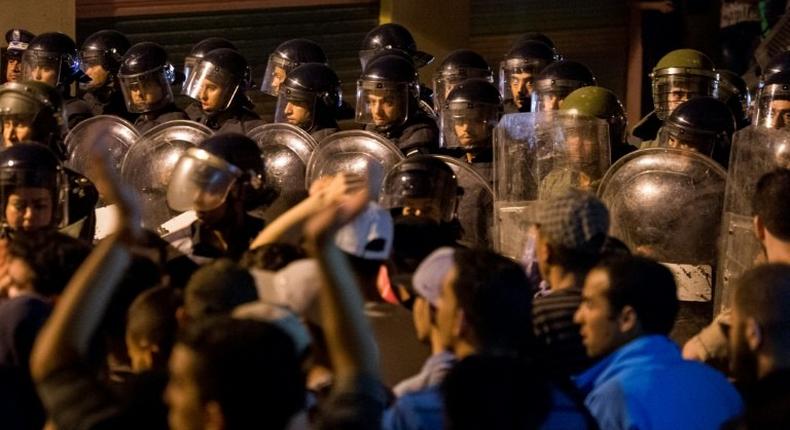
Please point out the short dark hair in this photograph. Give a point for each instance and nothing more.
(645, 285)
(152, 317)
(771, 204)
(763, 293)
(574, 260)
(272, 256)
(496, 298)
(217, 288)
(497, 392)
(249, 368)
(53, 257)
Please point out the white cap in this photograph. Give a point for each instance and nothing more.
(294, 287)
(369, 235)
(427, 279)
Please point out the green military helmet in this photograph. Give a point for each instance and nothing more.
(679, 76)
(601, 103)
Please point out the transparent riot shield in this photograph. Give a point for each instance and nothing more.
(117, 134)
(150, 161)
(537, 156)
(354, 151)
(476, 204)
(755, 152)
(286, 150)
(666, 204)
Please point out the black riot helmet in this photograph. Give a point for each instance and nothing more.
(204, 176)
(421, 187)
(392, 36)
(52, 58)
(772, 107)
(534, 37)
(517, 72)
(40, 106)
(703, 124)
(286, 57)
(32, 165)
(104, 48)
(315, 90)
(556, 81)
(222, 70)
(200, 49)
(387, 92)
(145, 76)
(469, 115)
(734, 92)
(458, 66)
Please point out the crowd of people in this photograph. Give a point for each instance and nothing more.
(487, 252)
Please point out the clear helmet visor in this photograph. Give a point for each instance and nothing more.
(211, 86)
(516, 78)
(33, 200)
(381, 103)
(670, 136)
(190, 63)
(773, 107)
(582, 145)
(548, 96)
(277, 70)
(670, 90)
(295, 107)
(468, 126)
(146, 92)
(92, 64)
(421, 194)
(200, 181)
(41, 66)
(444, 82)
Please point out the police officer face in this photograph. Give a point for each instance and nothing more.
(98, 75)
(470, 131)
(16, 129)
(550, 101)
(384, 108)
(677, 95)
(520, 87)
(146, 93)
(29, 208)
(779, 114)
(278, 77)
(45, 72)
(298, 112)
(211, 96)
(13, 69)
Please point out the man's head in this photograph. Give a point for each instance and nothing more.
(623, 299)
(387, 91)
(18, 40)
(31, 111)
(522, 63)
(217, 288)
(31, 187)
(759, 336)
(310, 96)
(680, 76)
(485, 305)
(151, 327)
(556, 81)
(218, 79)
(772, 210)
(52, 58)
(469, 115)
(233, 374)
(101, 56)
(145, 75)
(572, 229)
(427, 284)
(285, 58)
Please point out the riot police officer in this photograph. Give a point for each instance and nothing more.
(421, 193)
(702, 124)
(11, 68)
(218, 84)
(679, 76)
(220, 180)
(311, 99)
(101, 57)
(468, 118)
(556, 81)
(32, 110)
(388, 103)
(52, 58)
(518, 70)
(286, 57)
(388, 37)
(602, 103)
(145, 77)
(773, 99)
(456, 67)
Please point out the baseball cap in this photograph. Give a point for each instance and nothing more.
(575, 220)
(428, 278)
(369, 235)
